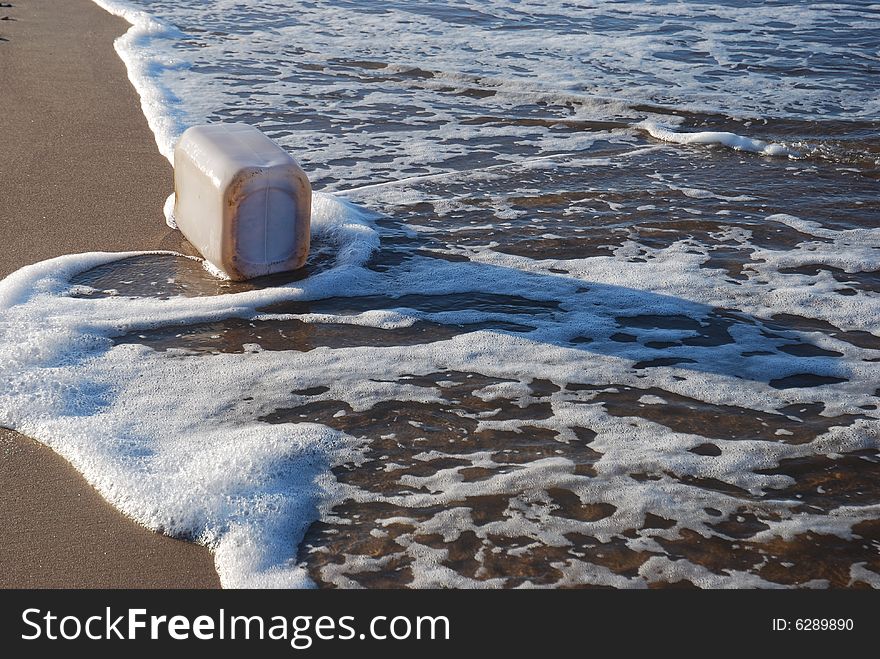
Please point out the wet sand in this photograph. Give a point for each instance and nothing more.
(79, 171)
(624, 446)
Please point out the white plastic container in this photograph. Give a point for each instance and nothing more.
(241, 200)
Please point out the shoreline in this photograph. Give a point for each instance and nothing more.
(80, 171)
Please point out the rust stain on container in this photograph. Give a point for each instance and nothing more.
(241, 200)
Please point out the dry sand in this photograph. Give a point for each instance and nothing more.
(79, 171)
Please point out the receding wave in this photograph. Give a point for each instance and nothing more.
(549, 336)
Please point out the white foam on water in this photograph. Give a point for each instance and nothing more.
(207, 468)
(168, 211)
(694, 56)
(730, 140)
(246, 490)
(389, 100)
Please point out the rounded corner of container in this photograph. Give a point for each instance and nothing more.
(187, 135)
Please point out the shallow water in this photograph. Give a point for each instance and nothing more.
(569, 353)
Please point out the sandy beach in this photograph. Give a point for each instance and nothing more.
(595, 315)
(79, 171)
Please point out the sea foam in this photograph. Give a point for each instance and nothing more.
(386, 103)
(208, 445)
(209, 469)
(730, 140)
(246, 490)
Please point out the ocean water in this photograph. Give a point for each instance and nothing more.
(593, 300)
